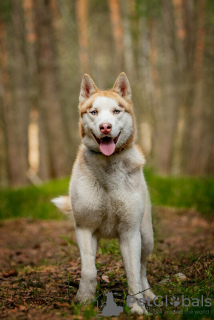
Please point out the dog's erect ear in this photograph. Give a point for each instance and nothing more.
(122, 86)
(87, 88)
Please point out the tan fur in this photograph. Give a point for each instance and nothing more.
(81, 129)
(64, 204)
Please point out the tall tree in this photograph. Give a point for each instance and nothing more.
(82, 23)
(117, 29)
(21, 102)
(15, 102)
(30, 36)
(53, 160)
(127, 40)
(3, 134)
(180, 38)
(69, 70)
(167, 111)
(194, 166)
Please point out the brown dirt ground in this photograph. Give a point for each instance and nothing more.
(40, 270)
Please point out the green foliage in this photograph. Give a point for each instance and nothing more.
(5, 10)
(32, 202)
(69, 241)
(181, 192)
(147, 8)
(112, 247)
(210, 6)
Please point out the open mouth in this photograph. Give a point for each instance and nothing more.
(107, 144)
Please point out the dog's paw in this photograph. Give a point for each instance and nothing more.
(138, 309)
(84, 297)
(149, 295)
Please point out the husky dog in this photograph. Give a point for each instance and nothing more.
(108, 194)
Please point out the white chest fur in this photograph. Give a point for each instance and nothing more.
(108, 192)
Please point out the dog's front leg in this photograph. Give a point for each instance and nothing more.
(130, 246)
(87, 243)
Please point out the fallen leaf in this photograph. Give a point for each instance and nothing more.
(22, 308)
(105, 278)
(61, 304)
(10, 273)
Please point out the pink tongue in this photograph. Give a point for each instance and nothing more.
(107, 147)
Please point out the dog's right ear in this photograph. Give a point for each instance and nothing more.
(87, 88)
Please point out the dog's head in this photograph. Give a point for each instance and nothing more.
(107, 122)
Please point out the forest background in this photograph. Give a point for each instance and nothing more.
(165, 47)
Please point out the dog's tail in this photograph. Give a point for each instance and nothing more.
(63, 203)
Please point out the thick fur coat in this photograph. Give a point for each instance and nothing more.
(108, 195)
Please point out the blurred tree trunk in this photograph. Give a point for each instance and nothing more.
(4, 179)
(180, 36)
(15, 102)
(82, 23)
(69, 71)
(117, 28)
(147, 93)
(207, 139)
(53, 161)
(127, 41)
(144, 56)
(30, 35)
(20, 99)
(187, 43)
(166, 113)
(194, 161)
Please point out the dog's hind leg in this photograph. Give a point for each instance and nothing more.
(87, 243)
(147, 244)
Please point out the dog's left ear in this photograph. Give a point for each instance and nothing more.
(87, 88)
(122, 86)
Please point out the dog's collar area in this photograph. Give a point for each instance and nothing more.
(100, 153)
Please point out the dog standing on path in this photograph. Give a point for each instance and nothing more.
(108, 195)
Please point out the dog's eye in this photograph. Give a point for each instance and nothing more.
(116, 111)
(94, 112)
